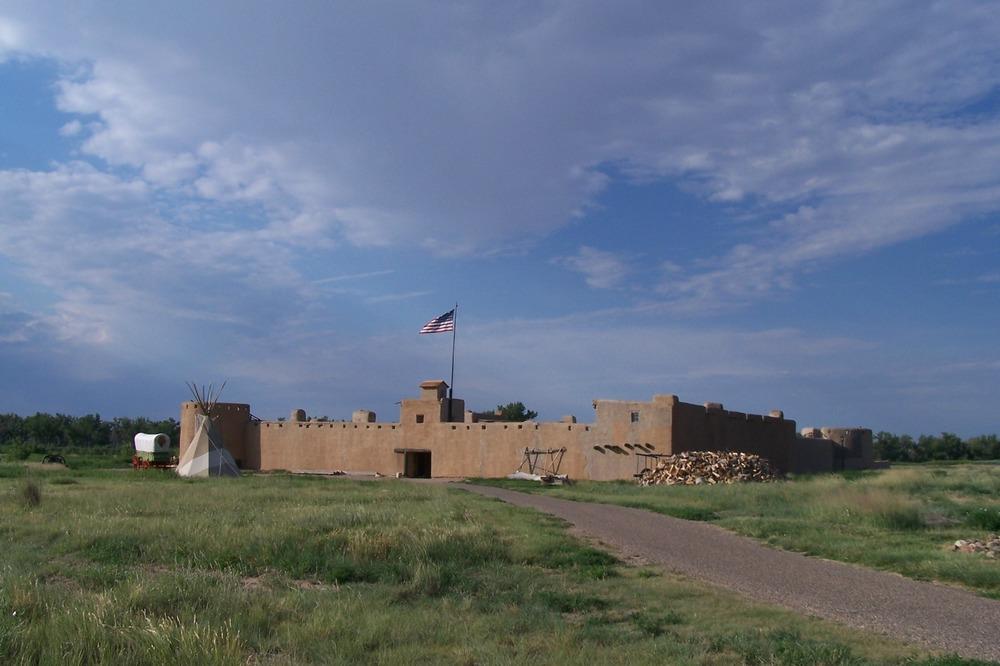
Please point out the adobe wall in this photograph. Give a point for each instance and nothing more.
(603, 450)
(231, 419)
(646, 425)
(457, 449)
(712, 428)
(609, 448)
(811, 455)
(856, 449)
(322, 446)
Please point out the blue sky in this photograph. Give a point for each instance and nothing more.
(790, 206)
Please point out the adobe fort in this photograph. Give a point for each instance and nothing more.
(425, 443)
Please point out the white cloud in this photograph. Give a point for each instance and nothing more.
(548, 363)
(402, 296)
(353, 276)
(984, 278)
(485, 127)
(227, 144)
(122, 275)
(10, 37)
(921, 180)
(16, 326)
(601, 269)
(72, 128)
(371, 226)
(171, 171)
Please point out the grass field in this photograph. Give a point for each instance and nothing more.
(903, 519)
(79, 458)
(143, 567)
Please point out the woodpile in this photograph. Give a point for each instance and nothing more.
(693, 468)
(991, 547)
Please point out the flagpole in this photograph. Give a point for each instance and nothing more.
(451, 385)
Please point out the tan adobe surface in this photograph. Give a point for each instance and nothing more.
(614, 446)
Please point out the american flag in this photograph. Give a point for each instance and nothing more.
(442, 324)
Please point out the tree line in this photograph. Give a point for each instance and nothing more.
(43, 433)
(946, 446)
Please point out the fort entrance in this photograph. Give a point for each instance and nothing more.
(416, 463)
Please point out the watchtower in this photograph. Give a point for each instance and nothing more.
(431, 406)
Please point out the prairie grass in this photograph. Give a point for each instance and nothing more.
(903, 519)
(30, 492)
(146, 568)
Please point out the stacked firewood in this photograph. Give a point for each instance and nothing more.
(697, 467)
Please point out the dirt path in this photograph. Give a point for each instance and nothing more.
(937, 616)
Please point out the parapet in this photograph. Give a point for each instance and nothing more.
(220, 407)
(433, 405)
(433, 389)
(852, 447)
(857, 442)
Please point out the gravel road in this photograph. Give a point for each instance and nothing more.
(936, 616)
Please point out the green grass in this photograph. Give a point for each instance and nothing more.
(76, 458)
(143, 567)
(903, 519)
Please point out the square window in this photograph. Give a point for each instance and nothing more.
(420, 418)
(635, 417)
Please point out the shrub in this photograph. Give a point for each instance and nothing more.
(655, 623)
(876, 505)
(572, 602)
(901, 518)
(984, 518)
(31, 493)
(19, 450)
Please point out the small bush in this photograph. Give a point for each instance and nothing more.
(572, 602)
(984, 518)
(19, 451)
(31, 493)
(879, 506)
(655, 624)
(901, 518)
(115, 548)
(587, 563)
(694, 513)
(784, 647)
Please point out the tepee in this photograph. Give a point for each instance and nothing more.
(206, 455)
